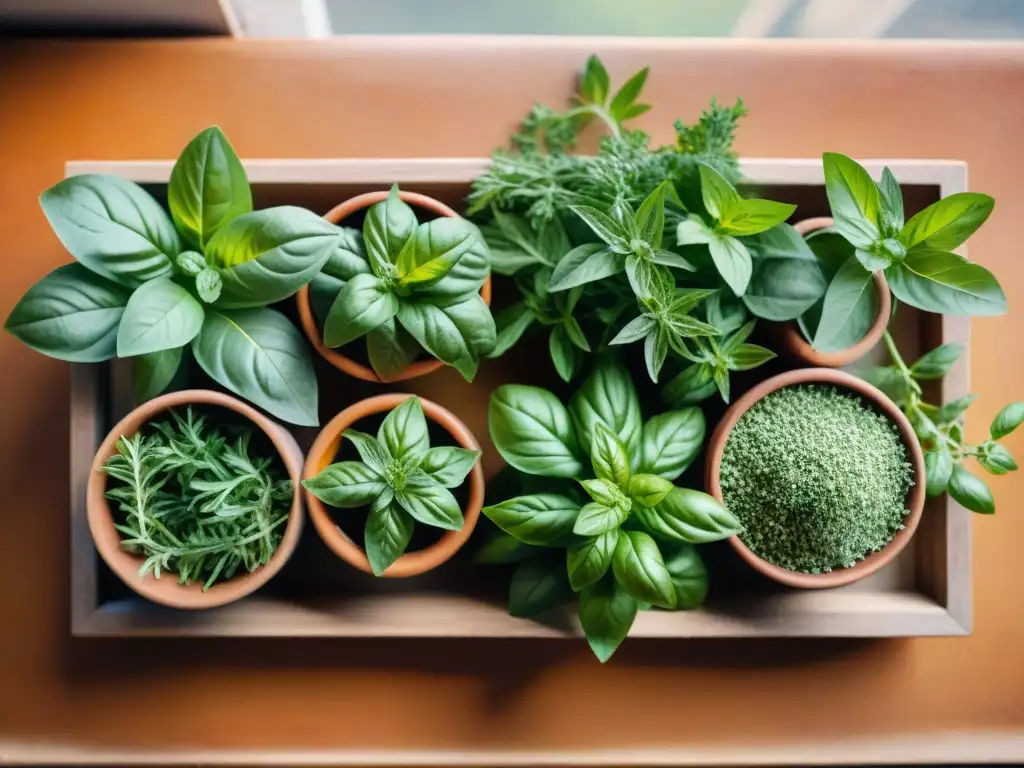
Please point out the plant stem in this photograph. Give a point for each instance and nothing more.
(895, 354)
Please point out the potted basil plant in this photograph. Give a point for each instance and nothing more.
(610, 527)
(151, 284)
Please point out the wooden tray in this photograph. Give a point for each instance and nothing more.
(925, 591)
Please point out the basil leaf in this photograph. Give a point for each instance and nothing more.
(585, 264)
(936, 363)
(693, 231)
(348, 257)
(671, 259)
(437, 246)
(449, 465)
(71, 314)
(639, 568)
(575, 334)
(892, 203)
(786, 280)
(113, 227)
(510, 325)
(456, 333)
(190, 263)
(997, 459)
(543, 519)
(605, 227)
(607, 396)
(209, 285)
(607, 612)
(732, 260)
(391, 349)
(689, 576)
(937, 281)
(650, 216)
(388, 226)
(266, 256)
(749, 356)
(160, 315)
(363, 304)
(596, 518)
(1007, 420)
(749, 217)
(323, 290)
(153, 373)
(603, 491)
(502, 549)
(889, 379)
(208, 187)
(970, 491)
(853, 198)
(608, 456)
(687, 515)
(564, 354)
(952, 411)
(588, 561)
(466, 277)
(387, 533)
(671, 441)
(716, 191)
(431, 504)
(635, 329)
(840, 309)
(532, 431)
(537, 586)
(370, 450)
(945, 225)
(347, 484)
(259, 355)
(648, 490)
(693, 385)
(404, 430)
(938, 466)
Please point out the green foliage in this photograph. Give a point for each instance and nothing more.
(940, 428)
(818, 479)
(147, 283)
(614, 542)
(400, 478)
(194, 500)
(408, 287)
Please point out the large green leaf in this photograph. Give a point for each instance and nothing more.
(266, 256)
(431, 504)
(449, 465)
(945, 225)
(387, 228)
(208, 187)
(849, 290)
(71, 314)
(113, 226)
(584, 264)
(465, 278)
(716, 191)
(608, 456)
(607, 612)
(970, 491)
(1007, 420)
(588, 561)
(160, 315)
(945, 283)
(391, 349)
(688, 574)
(733, 262)
(786, 279)
(366, 302)
(671, 441)
(639, 568)
(437, 246)
(853, 198)
(404, 430)
(749, 217)
(532, 431)
(688, 515)
(543, 519)
(457, 332)
(538, 585)
(387, 533)
(259, 355)
(346, 484)
(608, 396)
(153, 373)
(599, 517)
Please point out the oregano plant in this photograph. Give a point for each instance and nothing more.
(400, 478)
(621, 532)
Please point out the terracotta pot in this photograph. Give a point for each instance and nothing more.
(336, 215)
(166, 589)
(915, 496)
(792, 340)
(326, 447)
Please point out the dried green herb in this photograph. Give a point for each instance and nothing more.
(196, 501)
(818, 478)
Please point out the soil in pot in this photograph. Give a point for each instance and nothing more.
(819, 478)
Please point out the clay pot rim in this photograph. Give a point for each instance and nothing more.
(326, 447)
(915, 496)
(340, 361)
(793, 339)
(166, 590)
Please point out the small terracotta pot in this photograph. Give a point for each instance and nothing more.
(336, 215)
(915, 496)
(166, 589)
(326, 447)
(792, 340)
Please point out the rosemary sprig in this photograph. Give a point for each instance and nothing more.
(195, 501)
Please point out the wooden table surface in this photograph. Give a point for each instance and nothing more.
(336, 701)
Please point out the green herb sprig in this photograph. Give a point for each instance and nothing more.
(194, 500)
(940, 428)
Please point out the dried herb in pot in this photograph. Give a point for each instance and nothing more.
(818, 478)
(196, 499)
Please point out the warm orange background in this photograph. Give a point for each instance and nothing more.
(120, 100)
